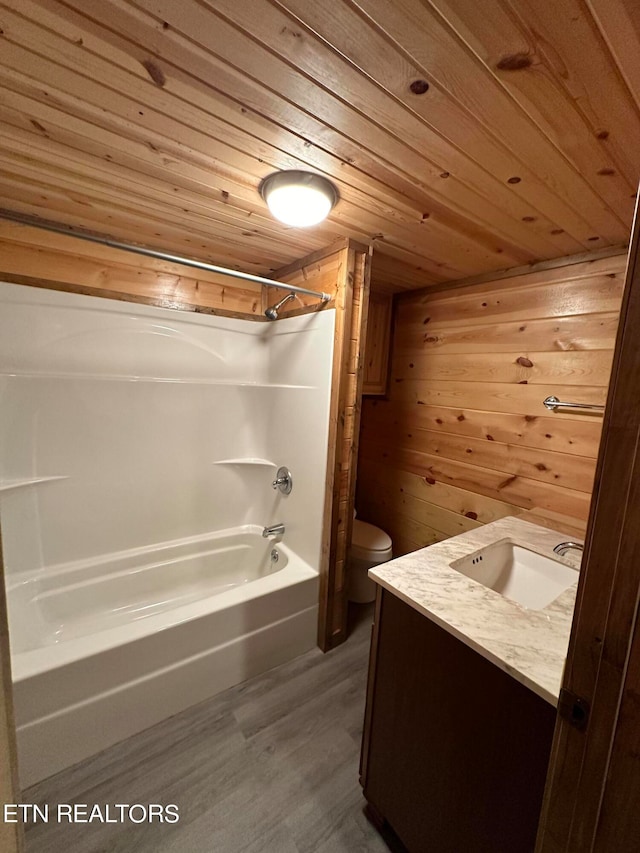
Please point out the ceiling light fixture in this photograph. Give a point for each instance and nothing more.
(299, 198)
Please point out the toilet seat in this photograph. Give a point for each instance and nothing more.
(367, 540)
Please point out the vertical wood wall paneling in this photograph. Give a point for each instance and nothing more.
(44, 259)
(344, 271)
(351, 439)
(462, 437)
(592, 787)
(344, 307)
(319, 271)
(11, 834)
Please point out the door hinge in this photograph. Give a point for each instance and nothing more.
(574, 709)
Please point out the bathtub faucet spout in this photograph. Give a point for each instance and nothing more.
(274, 530)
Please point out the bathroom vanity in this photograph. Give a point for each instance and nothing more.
(463, 688)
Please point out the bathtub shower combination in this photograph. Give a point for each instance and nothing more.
(138, 450)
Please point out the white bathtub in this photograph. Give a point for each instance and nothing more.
(108, 647)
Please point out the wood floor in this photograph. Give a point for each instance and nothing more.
(269, 766)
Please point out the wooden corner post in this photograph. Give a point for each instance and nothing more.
(344, 429)
(344, 271)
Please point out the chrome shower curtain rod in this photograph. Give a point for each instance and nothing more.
(25, 219)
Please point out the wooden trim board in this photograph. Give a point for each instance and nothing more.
(351, 303)
(525, 269)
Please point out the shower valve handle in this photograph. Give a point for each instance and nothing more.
(283, 481)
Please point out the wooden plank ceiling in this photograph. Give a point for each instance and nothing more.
(464, 137)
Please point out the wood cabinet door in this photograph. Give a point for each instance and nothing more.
(376, 353)
(455, 750)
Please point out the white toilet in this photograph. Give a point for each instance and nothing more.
(370, 546)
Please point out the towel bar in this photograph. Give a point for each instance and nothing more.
(553, 404)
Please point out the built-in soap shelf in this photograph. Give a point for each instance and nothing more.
(247, 460)
(19, 483)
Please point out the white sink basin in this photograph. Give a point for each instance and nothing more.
(518, 573)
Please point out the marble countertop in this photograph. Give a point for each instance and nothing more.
(531, 645)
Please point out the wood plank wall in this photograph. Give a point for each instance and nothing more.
(462, 437)
(41, 258)
(320, 271)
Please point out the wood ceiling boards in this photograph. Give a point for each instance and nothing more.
(464, 137)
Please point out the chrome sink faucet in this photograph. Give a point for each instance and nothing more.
(273, 530)
(563, 547)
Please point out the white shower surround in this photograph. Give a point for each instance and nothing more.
(134, 441)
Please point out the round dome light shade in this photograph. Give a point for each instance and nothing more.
(297, 198)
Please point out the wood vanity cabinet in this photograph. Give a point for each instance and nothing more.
(455, 751)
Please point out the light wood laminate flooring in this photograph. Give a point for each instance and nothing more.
(269, 766)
